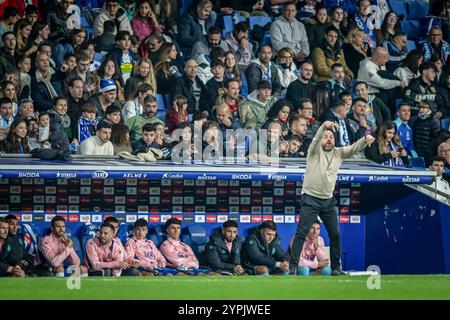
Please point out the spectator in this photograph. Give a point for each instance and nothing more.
(298, 128)
(372, 72)
(123, 56)
(223, 250)
(167, 68)
(178, 254)
(31, 14)
(39, 34)
(69, 44)
(135, 44)
(109, 70)
(376, 111)
(404, 131)
(305, 111)
(439, 68)
(130, 7)
(338, 19)
(9, 265)
(444, 95)
(396, 48)
(425, 126)
(313, 258)
(81, 71)
(389, 28)
(253, 113)
(26, 109)
(96, 58)
(287, 31)
(56, 248)
(57, 19)
(316, 27)
(10, 17)
(169, 15)
(213, 87)
(425, 88)
(435, 45)
(177, 114)
(16, 141)
(145, 21)
(114, 114)
(135, 107)
(444, 152)
(287, 70)
(204, 63)
(143, 73)
(32, 133)
(75, 101)
(148, 115)
(112, 11)
(99, 144)
(189, 85)
(120, 138)
(204, 46)
(234, 71)
(107, 97)
(8, 53)
(280, 112)
(22, 30)
(150, 47)
(355, 49)
(387, 149)
(212, 145)
(262, 253)
(60, 110)
(327, 54)
(263, 69)
(106, 42)
(9, 91)
(409, 67)
(303, 87)
(6, 115)
(359, 117)
(105, 256)
(336, 84)
(361, 20)
(46, 47)
(24, 64)
(231, 97)
(437, 164)
(238, 42)
(346, 96)
(147, 140)
(194, 24)
(45, 83)
(348, 132)
(226, 122)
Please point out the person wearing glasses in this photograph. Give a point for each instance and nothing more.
(112, 11)
(287, 70)
(436, 46)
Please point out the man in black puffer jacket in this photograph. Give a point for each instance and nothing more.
(223, 250)
(262, 253)
(425, 127)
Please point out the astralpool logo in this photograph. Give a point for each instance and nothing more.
(99, 174)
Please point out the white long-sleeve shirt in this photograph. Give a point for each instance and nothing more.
(93, 146)
(368, 72)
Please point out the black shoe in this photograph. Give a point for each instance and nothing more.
(337, 272)
(293, 270)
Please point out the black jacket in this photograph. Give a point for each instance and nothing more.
(209, 95)
(183, 86)
(298, 91)
(256, 252)
(424, 130)
(10, 255)
(418, 90)
(373, 153)
(218, 256)
(354, 131)
(105, 42)
(254, 75)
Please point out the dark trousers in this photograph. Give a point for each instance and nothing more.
(311, 207)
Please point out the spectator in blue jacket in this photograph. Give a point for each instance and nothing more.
(404, 131)
(435, 45)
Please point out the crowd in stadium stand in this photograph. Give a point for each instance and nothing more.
(136, 72)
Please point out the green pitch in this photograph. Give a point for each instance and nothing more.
(217, 288)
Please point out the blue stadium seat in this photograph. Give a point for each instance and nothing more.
(158, 232)
(411, 28)
(258, 20)
(410, 45)
(417, 162)
(229, 25)
(195, 236)
(85, 24)
(161, 109)
(418, 9)
(184, 5)
(445, 124)
(399, 7)
(124, 232)
(87, 231)
(153, 237)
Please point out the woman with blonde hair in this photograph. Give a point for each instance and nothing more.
(22, 30)
(387, 149)
(142, 73)
(355, 49)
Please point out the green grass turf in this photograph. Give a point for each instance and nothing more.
(217, 288)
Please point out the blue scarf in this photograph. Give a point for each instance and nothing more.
(397, 162)
(367, 30)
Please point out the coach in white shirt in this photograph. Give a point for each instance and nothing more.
(99, 144)
(438, 165)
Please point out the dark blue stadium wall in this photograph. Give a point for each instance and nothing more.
(409, 234)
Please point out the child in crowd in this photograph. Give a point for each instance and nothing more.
(178, 114)
(24, 64)
(148, 138)
(294, 147)
(44, 129)
(114, 114)
(60, 110)
(87, 124)
(71, 61)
